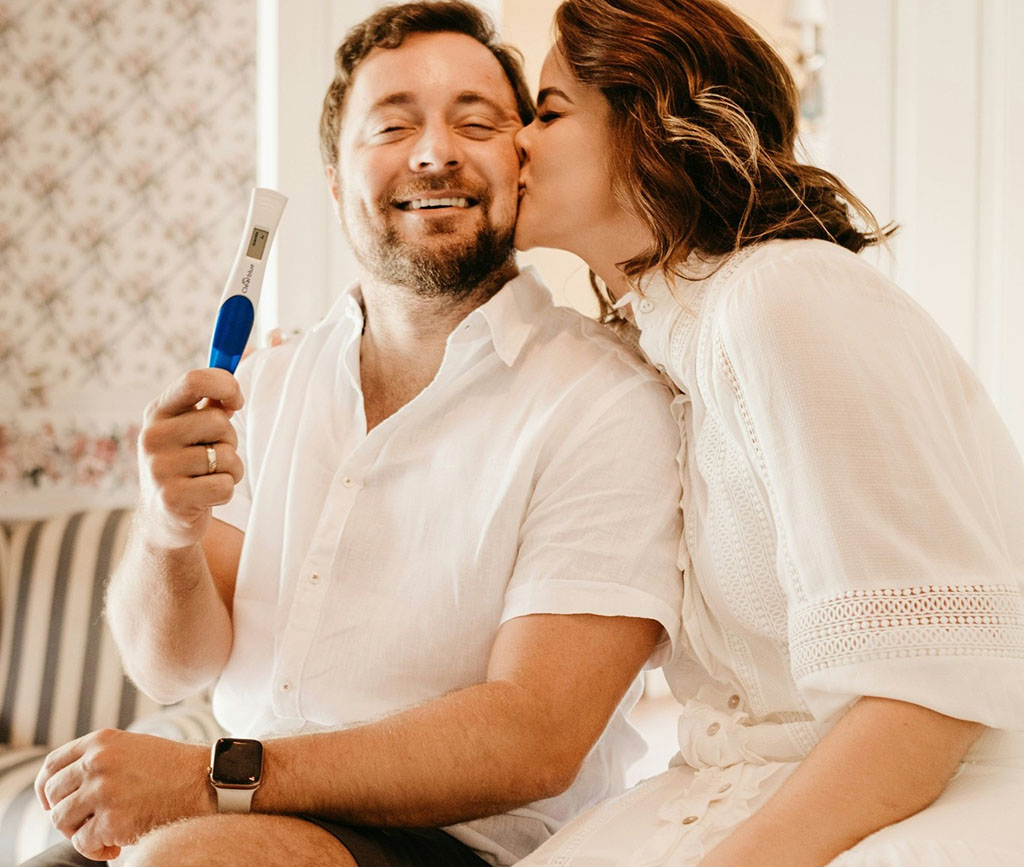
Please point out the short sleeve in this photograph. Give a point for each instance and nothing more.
(897, 491)
(236, 511)
(602, 529)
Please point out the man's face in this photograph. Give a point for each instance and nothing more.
(427, 175)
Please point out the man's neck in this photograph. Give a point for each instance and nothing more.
(404, 339)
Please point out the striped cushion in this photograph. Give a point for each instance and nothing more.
(190, 722)
(25, 828)
(60, 675)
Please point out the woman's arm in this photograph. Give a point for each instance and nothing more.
(884, 761)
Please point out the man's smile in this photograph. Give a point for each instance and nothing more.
(446, 202)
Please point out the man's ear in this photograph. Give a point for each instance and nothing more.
(332, 181)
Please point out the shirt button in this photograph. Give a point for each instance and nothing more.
(660, 368)
(286, 686)
(713, 729)
(348, 481)
(645, 306)
(734, 702)
(689, 820)
(314, 578)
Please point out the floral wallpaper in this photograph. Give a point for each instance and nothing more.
(127, 152)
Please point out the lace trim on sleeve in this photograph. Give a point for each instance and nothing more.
(952, 620)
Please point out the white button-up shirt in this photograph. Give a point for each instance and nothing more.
(535, 474)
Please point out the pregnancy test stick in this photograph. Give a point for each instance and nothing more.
(242, 291)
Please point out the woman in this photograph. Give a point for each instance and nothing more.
(853, 648)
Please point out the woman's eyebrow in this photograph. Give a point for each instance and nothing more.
(552, 91)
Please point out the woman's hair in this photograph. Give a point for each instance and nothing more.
(704, 117)
(389, 27)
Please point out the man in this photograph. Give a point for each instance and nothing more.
(454, 546)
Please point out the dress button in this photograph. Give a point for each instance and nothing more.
(689, 820)
(734, 702)
(713, 729)
(645, 306)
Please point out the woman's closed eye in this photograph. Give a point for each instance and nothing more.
(548, 116)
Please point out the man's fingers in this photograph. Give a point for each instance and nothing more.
(202, 426)
(194, 462)
(61, 784)
(54, 762)
(187, 498)
(224, 460)
(70, 814)
(208, 382)
(87, 842)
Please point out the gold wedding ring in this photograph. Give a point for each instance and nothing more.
(211, 460)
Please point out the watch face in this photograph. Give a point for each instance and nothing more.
(237, 762)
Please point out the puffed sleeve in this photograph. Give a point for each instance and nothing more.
(897, 492)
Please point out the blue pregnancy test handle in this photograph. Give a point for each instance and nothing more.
(234, 324)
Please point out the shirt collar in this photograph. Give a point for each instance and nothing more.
(512, 313)
(349, 305)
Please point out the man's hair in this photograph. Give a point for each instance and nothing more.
(389, 27)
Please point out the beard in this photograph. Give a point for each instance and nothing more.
(455, 269)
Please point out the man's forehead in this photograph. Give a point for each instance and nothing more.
(447, 67)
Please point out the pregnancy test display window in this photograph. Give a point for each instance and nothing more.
(256, 243)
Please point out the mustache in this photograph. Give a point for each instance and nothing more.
(435, 184)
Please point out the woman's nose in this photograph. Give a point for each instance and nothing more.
(522, 142)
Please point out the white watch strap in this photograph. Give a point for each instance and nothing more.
(234, 800)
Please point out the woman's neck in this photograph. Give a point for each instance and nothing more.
(623, 239)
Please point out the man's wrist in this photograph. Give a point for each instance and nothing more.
(235, 773)
(203, 798)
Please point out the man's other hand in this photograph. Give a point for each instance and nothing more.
(108, 788)
(179, 428)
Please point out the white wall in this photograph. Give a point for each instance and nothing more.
(925, 100)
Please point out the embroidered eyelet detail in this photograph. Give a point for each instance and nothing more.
(932, 620)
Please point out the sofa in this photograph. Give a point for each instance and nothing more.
(60, 674)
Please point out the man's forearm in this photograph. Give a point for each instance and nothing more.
(170, 625)
(477, 752)
(883, 762)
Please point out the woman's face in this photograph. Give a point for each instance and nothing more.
(565, 183)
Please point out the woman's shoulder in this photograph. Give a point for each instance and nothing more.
(799, 263)
(793, 284)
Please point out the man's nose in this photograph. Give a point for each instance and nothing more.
(436, 149)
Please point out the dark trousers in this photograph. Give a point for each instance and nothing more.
(62, 855)
(370, 847)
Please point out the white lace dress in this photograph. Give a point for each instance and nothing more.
(854, 513)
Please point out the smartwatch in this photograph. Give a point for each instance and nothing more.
(236, 771)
